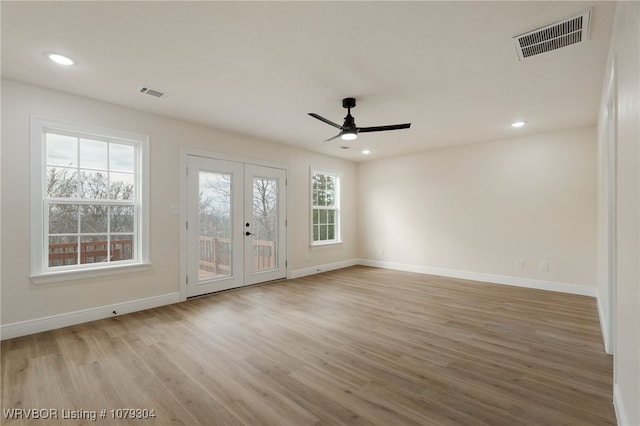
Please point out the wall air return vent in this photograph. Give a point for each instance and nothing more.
(554, 36)
(153, 92)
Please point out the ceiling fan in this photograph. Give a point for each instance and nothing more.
(349, 130)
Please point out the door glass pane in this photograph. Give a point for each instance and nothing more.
(215, 226)
(265, 223)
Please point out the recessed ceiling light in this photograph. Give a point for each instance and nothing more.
(518, 124)
(60, 59)
(366, 152)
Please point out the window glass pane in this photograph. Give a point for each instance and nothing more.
(323, 217)
(316, 232)
(121, 219)
(93, 219)
(321, 196)
(93, 249)
(331, 214)
(316, 216)
(121, 186)
(61, 182)
(93, 154)
(331, 232)
(63, 219)
(93, 185)
(329, 198)
(121, 247)
(62, 150)
(63, 250)
(323, 232)
(121, 157)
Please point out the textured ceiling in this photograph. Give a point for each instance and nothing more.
(258, 68)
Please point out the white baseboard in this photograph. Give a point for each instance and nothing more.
(23, 328)
(621, 414)
(298, 273)
(603, 324)
(579, 289)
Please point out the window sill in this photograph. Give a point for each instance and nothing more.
(56, 277)
(327, 244)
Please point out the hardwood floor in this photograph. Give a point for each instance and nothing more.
(355, 346)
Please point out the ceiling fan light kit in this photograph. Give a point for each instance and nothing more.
(349, 136)
(349, 130)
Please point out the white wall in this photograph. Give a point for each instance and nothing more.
(478, 208)
(625, 54)
(22, 300)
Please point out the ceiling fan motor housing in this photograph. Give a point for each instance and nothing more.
(349, 125)
(349, 103)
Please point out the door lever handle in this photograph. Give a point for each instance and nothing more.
(248, 233)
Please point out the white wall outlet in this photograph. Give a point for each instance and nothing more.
(381, 251)
(307, 255)
(544, 265)
(175, 209)
(520, 263)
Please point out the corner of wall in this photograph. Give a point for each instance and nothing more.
(603, 322)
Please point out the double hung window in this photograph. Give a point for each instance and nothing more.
(89, 199)
(325, 223)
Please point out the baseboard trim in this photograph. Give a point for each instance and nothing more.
(298, 273)
(621, 414)
(578, 289)
(23, 328)
(603, 324)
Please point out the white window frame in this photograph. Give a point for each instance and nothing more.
(41, 273)
(338, 213)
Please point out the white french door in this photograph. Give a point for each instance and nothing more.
(265, 224)
(236, 224)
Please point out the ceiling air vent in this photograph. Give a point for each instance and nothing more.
(153, 92)
(554, 36)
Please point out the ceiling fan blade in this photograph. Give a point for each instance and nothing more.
(383, 128)
(336, 136)
(329, 122)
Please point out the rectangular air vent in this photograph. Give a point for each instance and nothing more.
(153, 92)
(554, 36)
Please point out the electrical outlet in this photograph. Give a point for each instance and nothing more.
(544, 265)
(381, 251)
(520, 263)
(307, 256)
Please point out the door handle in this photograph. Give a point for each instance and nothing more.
(248, 233)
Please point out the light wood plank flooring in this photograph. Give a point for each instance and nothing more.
(357, 346)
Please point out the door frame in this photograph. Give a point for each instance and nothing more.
(610, 195)
(181, 209)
